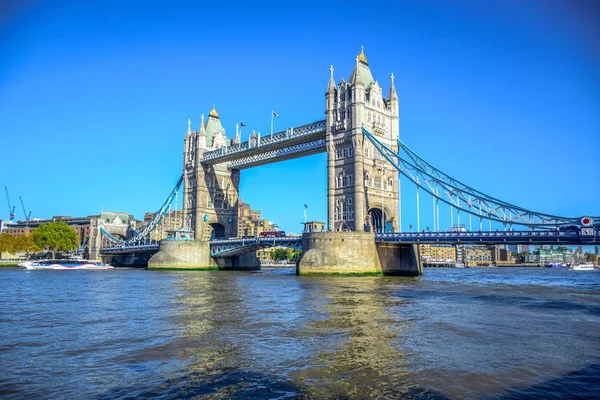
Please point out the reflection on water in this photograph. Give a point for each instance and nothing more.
(490, 333)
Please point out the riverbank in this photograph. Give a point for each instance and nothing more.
(8, 264)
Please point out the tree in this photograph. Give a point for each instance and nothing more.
(25, 244)
(296, 253)
(56, 236)
(7, 243)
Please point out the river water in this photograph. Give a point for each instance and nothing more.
(497, 333)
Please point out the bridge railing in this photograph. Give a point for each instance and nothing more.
(499, 236)
(304, 130)
(130, 248)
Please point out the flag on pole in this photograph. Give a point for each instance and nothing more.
(242, 124)
(305, 206)
(275, 114)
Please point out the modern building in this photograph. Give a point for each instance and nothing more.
(561, 254)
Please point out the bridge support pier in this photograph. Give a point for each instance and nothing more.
(338, 253)
(243, 262)
(182, 254)
(400, 259)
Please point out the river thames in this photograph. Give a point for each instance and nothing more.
(492, 333)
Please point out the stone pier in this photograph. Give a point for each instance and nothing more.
(356, 253)
(338, 253)
(243, 262)
(400, 259)
(195, 254)
(182, 254)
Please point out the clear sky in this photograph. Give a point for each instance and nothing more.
(95, 96)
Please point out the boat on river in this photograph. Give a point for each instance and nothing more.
(588, 266)
(556, 265)
(64, 264)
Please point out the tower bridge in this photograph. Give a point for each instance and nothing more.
(365, 159)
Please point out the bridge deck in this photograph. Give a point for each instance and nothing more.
(236, 246)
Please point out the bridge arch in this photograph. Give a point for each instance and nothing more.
(217, 231)
(376, 216)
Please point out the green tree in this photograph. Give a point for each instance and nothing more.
(7, 243)
(296, 253)
(56, 236)
(25, 244)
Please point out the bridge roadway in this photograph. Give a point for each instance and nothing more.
(236, 246)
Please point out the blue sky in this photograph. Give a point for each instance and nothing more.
(95, 97)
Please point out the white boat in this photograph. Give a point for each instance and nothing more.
(65, 264)
(588, 266)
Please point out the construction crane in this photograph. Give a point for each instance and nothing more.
(27, 216)
(11, 210)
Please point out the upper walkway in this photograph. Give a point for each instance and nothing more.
(292, 143)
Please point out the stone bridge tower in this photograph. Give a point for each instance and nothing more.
(362, 185)
(210, 191)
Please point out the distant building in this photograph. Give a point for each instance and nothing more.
(314, 226)
(523, 248)
(171, 221)
(477, 256)
(250, 224)
(597, 250)
(437, 254)
(118, 224)
(501, 255)
(561, 254)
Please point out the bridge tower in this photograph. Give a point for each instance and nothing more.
(210, 191)
(362, 186)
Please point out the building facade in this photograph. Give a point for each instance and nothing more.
(210, 192)
(314, 226)
(362, 186)
(477, 256)
(437, 253)
(118, 224)
(250, 224)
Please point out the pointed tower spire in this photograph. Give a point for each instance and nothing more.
(202, 134)
(331, 84)
(361, 73)
(392, 94)
(236, 139)
(189, 129)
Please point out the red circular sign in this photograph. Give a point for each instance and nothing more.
(586, 221)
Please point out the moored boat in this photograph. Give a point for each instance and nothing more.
(65, 264)
(588, 266)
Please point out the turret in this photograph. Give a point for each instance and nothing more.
(202, 135)
(236, 139)
(330, 99)
(187, 141)
(393, 97)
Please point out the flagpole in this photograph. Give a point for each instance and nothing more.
(272, 115)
